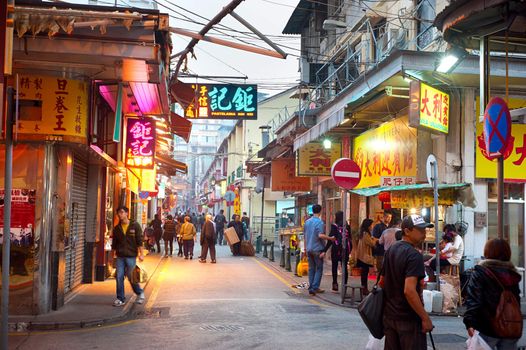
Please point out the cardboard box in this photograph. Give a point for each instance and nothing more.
(231, 236)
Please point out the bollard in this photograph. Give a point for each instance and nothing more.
(258, 244)
(271, 255)
(265, 250)
(287, 260)
(282, 256)
(298, 259)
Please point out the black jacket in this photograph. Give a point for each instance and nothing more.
(483, 293)
(336, 231)
(127, 245)
(208, 233)
(238, 226)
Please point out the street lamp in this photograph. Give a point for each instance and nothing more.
(451, 58)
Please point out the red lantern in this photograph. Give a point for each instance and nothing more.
(384, 196)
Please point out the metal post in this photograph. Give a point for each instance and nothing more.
(343, 289)
(7, 216)
(262, 209)
(437, 242)
(287, 259)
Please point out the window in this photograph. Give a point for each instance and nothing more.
(426, 15)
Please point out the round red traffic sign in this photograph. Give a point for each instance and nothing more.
(497, 127)
(346, 173)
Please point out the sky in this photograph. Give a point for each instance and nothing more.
(268, 16)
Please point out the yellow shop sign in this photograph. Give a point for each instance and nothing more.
(429, 108)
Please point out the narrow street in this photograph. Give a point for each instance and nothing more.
(239, 303)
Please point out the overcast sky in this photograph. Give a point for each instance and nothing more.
(268, 16)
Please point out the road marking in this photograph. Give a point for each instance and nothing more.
(155, 292)
(352, 174)
(89, 329)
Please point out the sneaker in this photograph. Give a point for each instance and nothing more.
(312, 293)
(140, 299)
(319, 291)
(213, 262)
(202, 261)
(118, 302)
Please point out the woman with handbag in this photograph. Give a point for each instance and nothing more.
(337, 251)
(364, 253)
(492, 292)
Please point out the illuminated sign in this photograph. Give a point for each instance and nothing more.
(140, 143)
(316, 160)
(429, 108)
(223, 101)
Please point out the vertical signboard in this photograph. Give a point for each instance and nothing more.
(140, 143)
(429, 108)
(316, 160)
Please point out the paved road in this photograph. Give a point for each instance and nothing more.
(238, 303)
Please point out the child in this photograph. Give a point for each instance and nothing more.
(445, 248)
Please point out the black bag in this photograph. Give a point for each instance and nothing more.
(371, 309)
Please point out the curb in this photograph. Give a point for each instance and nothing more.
(21, 327)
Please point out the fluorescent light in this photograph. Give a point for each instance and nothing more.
(327, 144)
(446, 63)
(345, 121)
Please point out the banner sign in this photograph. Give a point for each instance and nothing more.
(52, 106)
(140, 143)
(514, 155)
(223, 101)
(389, 150)
(387, 181)
(316, 160)
(284, 177)
(429, 108)
(422, 199)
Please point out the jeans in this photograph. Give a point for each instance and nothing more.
(188, 246)
(168, 242)
(315, 270)
(404, 335)
(500, 344)
(220, 232)
(125, 265)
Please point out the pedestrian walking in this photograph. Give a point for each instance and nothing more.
(200, 222)
(337, 249)
(364, 256)
(179, 236)
(220, 221)
(388, 237)
(126, 246)
(246, 221)
(238, 226)
(188, 233)
(315, 237)
(379, 228)
(208, 240)
(405, 320)
(489, 280)
(169, 235)
(157, 226)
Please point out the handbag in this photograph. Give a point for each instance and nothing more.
(371, 310)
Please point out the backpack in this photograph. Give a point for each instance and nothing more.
(507, 322)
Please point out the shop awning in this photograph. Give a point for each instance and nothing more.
(180, 126)
(169, 166)
(465, 193)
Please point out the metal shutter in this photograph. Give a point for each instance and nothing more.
(75, 250)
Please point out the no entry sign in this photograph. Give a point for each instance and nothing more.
(497, 127)
(346, 173)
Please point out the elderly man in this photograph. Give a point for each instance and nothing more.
(208, 240)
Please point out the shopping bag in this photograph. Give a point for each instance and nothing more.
(371, 309)
(477, 343)
(138, 275)
(373, 343)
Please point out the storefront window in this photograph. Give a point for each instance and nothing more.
(513, 218)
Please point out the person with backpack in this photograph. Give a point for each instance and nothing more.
(492, 298)
(220, 221)
(168, 235)
(208, 240)
(337, 249)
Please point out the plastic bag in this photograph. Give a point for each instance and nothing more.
(138, 275)
(477, 343)
(373, 343)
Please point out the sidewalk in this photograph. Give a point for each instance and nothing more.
(90, 305)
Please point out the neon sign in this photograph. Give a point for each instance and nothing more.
(140, 143)
(223, 101)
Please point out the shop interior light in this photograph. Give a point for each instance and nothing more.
(412, 211)
(451, 59)
(424, 211)
(327, 144)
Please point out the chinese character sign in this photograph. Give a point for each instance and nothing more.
(223, 101)
(284, 177)
(514, 155)
(53, 106)
(316, 160)
(429, 108)
(140, 143)
(388, 151)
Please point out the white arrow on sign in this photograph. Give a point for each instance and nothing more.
(351, 174)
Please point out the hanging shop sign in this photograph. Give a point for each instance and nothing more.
(316, 160)
(140, 143)
(422, 199)
(514, 154)
(429, 108)
(284, 179)
(237, 202)
(387, 151)
(51, 106)
(223, 101)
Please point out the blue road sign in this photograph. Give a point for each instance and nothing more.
(497, 127)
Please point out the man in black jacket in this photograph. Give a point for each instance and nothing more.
(126, 246)
(220, 221)
(238, 226)
(208, 240)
